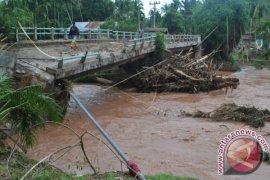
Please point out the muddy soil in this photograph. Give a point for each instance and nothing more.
(150, 129)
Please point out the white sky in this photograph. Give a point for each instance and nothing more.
(148, 7)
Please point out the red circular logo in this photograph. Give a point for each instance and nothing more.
(244, 155)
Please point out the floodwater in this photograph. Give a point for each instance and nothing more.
(150, 129)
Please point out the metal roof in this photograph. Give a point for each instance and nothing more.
(82, 26)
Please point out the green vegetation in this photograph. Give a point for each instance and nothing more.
(173, 19)
(168, 177)
(112, 175)
(214, 14)
(25, 108)
(19, 165)
(260, 63)
(160, 46)
(259, 27)
(127, 16)
(52, 13)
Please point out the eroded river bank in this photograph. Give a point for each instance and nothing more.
(150, 129)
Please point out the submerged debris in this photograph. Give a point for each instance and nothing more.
(185, 74)
(231, 112)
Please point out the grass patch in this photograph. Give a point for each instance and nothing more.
(20, 164)
(260, 63)
(258, 60)
(167, 177)
(114, 175)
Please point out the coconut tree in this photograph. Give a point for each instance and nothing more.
(186, 8)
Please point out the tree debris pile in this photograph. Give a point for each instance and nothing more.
(185, 74)
(231, 112)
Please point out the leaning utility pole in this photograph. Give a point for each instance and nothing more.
(154, 4)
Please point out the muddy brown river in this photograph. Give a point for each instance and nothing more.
(150, 129)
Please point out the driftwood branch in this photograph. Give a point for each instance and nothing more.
(86, 157)
(183, 73)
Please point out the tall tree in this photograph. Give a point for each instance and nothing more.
(172, 18)
(97, 10)
(212, 14)
(128, 16)
(186, 8)
(158, 18)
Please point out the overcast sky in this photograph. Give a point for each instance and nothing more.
(147, 7)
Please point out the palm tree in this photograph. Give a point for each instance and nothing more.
(165, 8)
(176, 4)
(122, 9)
(257, 10)
(24, 108)
(137, 12)
(186, 7)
